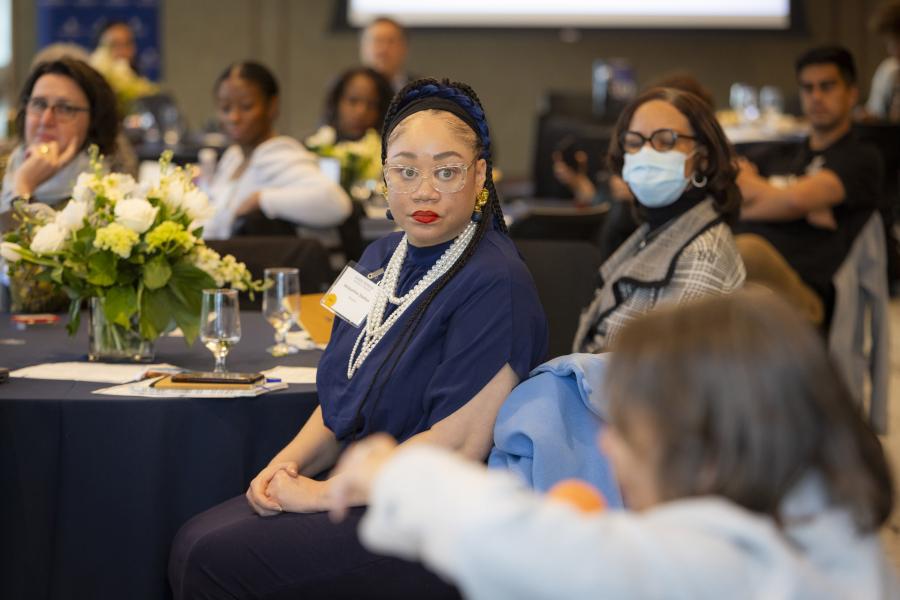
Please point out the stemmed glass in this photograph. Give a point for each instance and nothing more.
(281, 306)
(220, 323)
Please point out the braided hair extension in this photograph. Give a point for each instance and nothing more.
(466, 97)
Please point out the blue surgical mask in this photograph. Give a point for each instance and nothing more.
(656, 178)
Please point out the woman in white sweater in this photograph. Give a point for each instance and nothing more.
(262, 171)
(748, 472)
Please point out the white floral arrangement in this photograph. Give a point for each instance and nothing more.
(360, 159)
(137, 247)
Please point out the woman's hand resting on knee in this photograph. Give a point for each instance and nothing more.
(258, 494)
(296, 493)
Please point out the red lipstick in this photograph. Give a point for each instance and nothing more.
(425, 216)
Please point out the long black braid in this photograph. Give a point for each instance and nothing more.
(466, 97)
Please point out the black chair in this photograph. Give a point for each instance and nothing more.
(566, 123)
(257, 224)
(565, 273)
(258, 253)
(886, 138)
(568, 135)
(350, 232)
(564, 223)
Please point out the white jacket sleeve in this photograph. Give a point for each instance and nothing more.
(494, 539)
(296, 190)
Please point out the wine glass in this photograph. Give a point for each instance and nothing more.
(281, 306)
(220, 323)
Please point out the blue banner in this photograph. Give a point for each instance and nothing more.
(78, 21)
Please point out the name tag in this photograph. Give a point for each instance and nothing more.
(351, 295)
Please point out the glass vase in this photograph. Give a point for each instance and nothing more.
(111, 342)
(30, 294)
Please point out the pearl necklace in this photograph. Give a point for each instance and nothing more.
(376, 325)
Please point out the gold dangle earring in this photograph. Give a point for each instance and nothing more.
(384, 192)
(480, 200)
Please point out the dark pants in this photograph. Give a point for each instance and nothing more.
(230, 552)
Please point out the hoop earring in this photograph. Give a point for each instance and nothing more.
(480, 200)
(699, 183)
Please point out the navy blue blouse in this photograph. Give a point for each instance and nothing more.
(486, 316)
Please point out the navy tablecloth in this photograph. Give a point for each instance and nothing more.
(93, 488)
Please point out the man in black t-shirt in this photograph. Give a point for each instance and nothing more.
(803, 209)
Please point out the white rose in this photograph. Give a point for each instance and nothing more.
(122, 182)
(136, 214)
(83, 191)
(145, 189)
(10, 252)
(325, 136)
(172, 191)
(196, 204)
(72, 216)
(118, 186)
(49, 238)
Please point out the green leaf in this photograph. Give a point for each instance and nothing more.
(84, 237)
(102, 268)
(74, 316)
(188, 282)
(188, 319)
(126, 276)
(157, 272)
(119, 304)
(156, 312)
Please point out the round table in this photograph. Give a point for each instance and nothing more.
(93, 488)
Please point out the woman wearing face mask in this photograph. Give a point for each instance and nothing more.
(264, 176)
(673, 155)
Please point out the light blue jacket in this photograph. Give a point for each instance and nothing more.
(547, 428)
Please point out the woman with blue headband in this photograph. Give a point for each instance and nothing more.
(454, 325)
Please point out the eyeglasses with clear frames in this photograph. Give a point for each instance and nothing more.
(446, 179)
(661, 140)
(61, 110)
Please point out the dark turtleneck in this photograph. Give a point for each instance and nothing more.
(657, 217)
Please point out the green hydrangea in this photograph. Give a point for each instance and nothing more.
(170, 236)
(117, 238)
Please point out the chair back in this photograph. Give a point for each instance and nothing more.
(859, 338)
(565, 273)
(886, 139)
(564, 223)
(566, 133)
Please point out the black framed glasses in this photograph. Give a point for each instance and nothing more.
(61, 110)
(661, 140)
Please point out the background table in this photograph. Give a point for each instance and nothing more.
(93, 488)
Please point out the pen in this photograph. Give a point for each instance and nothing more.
(272, 380)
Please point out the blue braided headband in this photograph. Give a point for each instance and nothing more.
(449, 99)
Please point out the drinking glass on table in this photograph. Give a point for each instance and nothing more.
(281, 306)
(220, 323)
